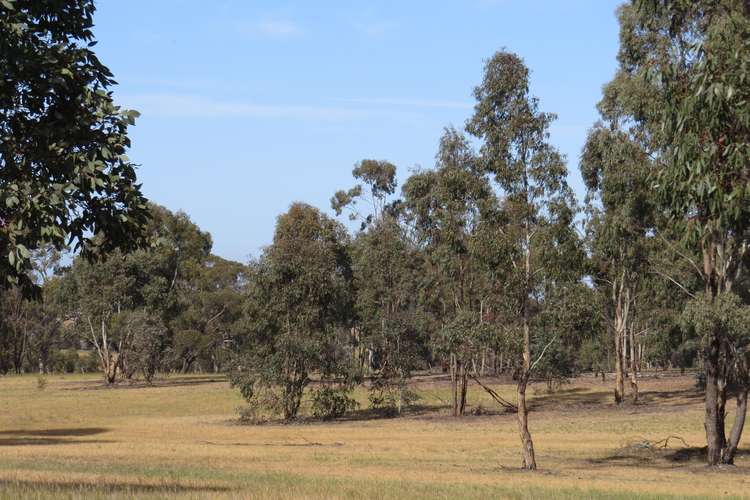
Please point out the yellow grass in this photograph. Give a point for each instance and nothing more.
(75, 439)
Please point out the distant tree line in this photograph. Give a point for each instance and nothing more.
(165, 308)
(485, 264)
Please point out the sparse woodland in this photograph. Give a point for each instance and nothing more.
(483, 265)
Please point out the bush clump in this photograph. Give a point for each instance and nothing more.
(332, 402)
(390, 397)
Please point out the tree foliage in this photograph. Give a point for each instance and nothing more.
(539, 206)
(298, 310)
(694, 56)
(64, 174)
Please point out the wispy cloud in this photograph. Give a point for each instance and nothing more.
(276, 29)
(406, 102)
(171, 104)
(154, 84)
(168, 105)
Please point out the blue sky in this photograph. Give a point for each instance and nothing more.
(248, 106)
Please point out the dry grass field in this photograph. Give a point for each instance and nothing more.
(181, 439)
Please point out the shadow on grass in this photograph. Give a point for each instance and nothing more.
(575, 397)
(82, 431)
(684, 397)
(21, 441)
(636, 456)
(696, 454)
(413, 410)
(581, 398)
(23, 437)
(365, 414)
(142, 384)
(358, 415)
(116, 487)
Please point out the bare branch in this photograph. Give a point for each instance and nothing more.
(678, 252)
(542, 354)
(675, 282)
(502, 402)
(217, 315)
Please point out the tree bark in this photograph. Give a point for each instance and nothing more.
(722, 409)
(293, 391)
(454, 385)
(529, 458)
(633, 366)
(713, 425)
(620, 330)
(110, 368)
(619, 375)
(739, 424)
(462, 398)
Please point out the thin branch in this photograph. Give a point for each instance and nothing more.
(678, 252)
(663, 275)
(502, 402)
(642, 332)
(603, 280)
(217, 315)
(542, 354)
(539, 270)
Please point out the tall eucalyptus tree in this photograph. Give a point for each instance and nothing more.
(448, 207)
(694, 56)
(298, 309)
(386, 268)
(530, 175)
(615, 168)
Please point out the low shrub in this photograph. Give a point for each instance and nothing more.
(332, 402)
(390, 397)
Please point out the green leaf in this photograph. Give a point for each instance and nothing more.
(23, 251)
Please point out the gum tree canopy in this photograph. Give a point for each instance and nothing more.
(695, 54)
(64, 176)
(530, 175)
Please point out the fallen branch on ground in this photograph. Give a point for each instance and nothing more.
(662, 443)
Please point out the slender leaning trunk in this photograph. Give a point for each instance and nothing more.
(619, 337)
(739, 424)
(619, 375)
(463, 381)
(713, 423)
(454, 384)
(529, 458)
(633, 366)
